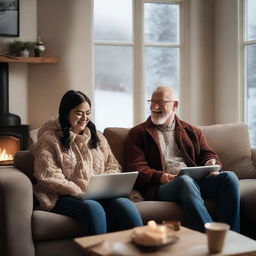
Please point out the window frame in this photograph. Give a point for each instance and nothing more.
(243, 53)
(138, 45)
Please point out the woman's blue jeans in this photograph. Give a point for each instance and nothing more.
(190, 195)
(98, 217)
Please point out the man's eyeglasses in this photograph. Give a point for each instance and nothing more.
(160, 103)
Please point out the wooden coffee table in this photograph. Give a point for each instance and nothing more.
(190, 243)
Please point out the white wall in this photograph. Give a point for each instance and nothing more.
(199, 96)
(18, 73)
(62, 25)
(228, 93)
(213, 89)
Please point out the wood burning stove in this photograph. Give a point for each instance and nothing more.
(13, 135)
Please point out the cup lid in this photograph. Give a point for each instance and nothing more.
(216, 226)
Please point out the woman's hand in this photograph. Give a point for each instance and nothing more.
(166, 177)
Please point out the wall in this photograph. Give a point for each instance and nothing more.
(18, 73)
(62, 25)
(228, 92)
(199, 88)
(213, 86)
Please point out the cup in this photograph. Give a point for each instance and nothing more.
(216, 233)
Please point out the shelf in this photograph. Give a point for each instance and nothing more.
(35, 60)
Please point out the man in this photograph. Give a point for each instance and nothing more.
(161, 146)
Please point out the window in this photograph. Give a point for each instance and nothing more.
(161, 47)
(249, 44)
(137, 47)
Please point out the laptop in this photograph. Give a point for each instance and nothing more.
(198, 172)
(111, 185)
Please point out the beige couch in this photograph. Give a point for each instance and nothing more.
(25, 231)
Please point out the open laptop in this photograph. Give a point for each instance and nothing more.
(111, 185)
(198, 172)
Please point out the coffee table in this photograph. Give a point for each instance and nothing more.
(191, 243)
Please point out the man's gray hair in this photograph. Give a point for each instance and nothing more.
(171, 90)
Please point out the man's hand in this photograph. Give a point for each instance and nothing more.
(166, 177)
(211, 162)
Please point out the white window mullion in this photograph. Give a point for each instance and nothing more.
(248, 64)
(162, 45)
(241, 67)
(113, 43)
(164, 1)
(249, 42)
(138, 71)
(90, 70)
(183, 59)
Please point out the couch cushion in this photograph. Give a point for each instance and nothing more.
(231, 143)
(48, 225)
(159, 211)
(248, 199)
(116, 138)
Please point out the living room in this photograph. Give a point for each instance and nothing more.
(212, 86)
(211, 61)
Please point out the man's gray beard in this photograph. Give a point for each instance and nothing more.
(158, 120)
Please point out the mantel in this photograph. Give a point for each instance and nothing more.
(36, 60)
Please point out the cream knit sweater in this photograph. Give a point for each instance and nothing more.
(67, 173)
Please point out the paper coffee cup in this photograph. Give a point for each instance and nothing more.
(216, 233)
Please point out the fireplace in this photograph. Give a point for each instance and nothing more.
(13, 135)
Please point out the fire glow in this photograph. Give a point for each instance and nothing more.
(4, 155)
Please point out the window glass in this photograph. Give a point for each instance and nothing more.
(161, 51)
(251, 20)
(161, 23)
(161, 68)
(118, 42)
(113, 20)
(113, 86)
(251, 92)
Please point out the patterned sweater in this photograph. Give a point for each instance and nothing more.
(67, 173)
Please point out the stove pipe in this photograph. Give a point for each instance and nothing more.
(6, 118)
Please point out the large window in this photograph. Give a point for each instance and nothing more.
(113, 63)
(137, 47)
(250, 66)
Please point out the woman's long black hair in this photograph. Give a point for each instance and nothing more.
(70, 100)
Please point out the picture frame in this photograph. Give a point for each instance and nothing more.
(10, 18)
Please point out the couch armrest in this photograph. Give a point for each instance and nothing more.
(253, 152)
(24, 161)
(16, 206)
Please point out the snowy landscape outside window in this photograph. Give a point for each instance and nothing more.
(162, 38)
(250, 66)
(113, 57)
(136, 49)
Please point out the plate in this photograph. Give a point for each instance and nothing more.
(170, 240)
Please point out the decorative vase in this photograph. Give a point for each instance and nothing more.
(39, 48)
(24, 53)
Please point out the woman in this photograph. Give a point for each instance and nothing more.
(68, 152)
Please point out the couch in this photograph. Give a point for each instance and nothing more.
(27, 231)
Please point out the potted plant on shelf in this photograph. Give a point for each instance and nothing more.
(20, 48)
